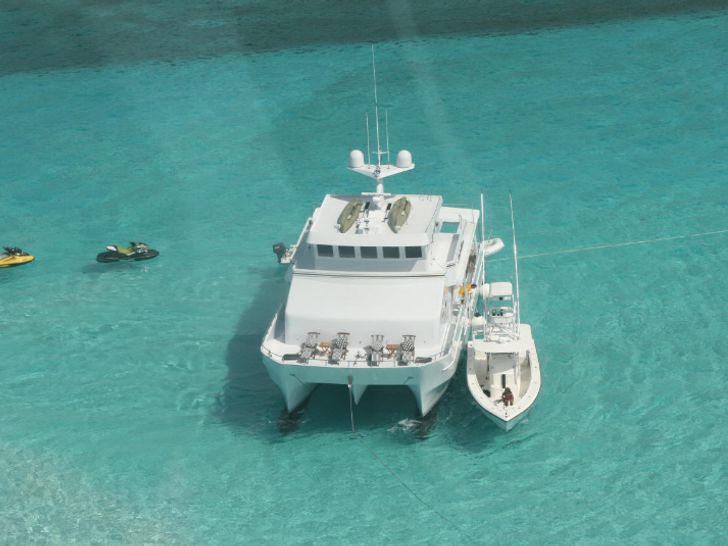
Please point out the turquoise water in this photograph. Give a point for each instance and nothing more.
(134, 407)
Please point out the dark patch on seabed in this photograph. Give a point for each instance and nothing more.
(50, 34)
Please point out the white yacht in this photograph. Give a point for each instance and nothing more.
(503, 372)
(381, 291)
(380, 294)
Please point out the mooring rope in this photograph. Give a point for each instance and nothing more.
(365, 443)
(615, 245)
(351, 404)
(412, 492)
(360, 436)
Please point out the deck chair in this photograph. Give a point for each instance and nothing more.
(339, 347)
(376, 349)
(406, 350)
(308, 347)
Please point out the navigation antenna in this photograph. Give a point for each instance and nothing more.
(515, 261)
(386, 131)
(369, 151)
(379, 171)
(482, 236)
(376, 109)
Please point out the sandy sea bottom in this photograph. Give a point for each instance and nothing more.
(134, 407)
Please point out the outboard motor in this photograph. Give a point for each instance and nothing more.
(280, 250)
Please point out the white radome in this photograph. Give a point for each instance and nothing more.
(356, 159)
(404, 159)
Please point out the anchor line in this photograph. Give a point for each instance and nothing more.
(616, 245)
(360, 436)
(411, 491)
(351, 404)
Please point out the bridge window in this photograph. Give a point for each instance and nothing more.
(368, 252)
(390, 251)
(413, 252)
(346, 252)
(326, 251)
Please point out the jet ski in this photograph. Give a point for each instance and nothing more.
(135, 251)
(14, 256)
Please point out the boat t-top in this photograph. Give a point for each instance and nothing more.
(382, 290)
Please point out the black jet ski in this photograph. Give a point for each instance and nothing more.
(135, 251)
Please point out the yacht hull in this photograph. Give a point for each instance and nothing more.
(504, 423)
(428, 382)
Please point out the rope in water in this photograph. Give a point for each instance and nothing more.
(396, 476)
(616, 245)
(389, 469)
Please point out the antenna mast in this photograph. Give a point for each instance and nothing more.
(482, 238)
(482, 219)
(386, 130)
(369, 151)
(379, 171)
(515, 261)
(376, 110)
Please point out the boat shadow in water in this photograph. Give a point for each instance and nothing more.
(249, 400)
(96, 268)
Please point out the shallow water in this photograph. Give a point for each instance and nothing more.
(134, 407)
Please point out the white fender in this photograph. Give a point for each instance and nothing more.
(492, 246)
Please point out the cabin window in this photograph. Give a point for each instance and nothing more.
(449, 227)
(413, 252)
(326, 251)
(368, 252)
(346, 252)
(390, 251)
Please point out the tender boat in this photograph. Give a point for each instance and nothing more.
(381, 291)
(503, 372)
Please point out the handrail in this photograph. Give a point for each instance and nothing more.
(467, 307)
(305, 230)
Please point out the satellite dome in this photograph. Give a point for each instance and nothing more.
(356, 159)
(404, 159)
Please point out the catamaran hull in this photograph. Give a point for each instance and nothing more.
(428, 382)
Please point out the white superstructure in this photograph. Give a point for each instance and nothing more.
(382, 291)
